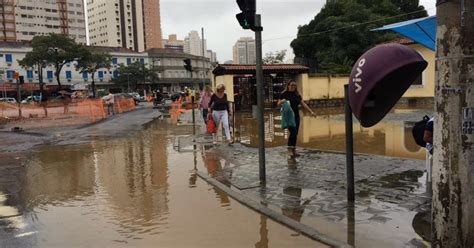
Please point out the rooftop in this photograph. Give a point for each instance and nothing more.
(227, 69)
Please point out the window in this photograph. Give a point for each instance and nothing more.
(68, 75)
(8, 58)
(129, 61)
(29, 74)
(114, 61)
(85, 76)
(101, 75)
(142, 61)
(50, 75)
(10, 75)
(116, 74)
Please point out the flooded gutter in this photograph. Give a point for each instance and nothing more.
(295, 225)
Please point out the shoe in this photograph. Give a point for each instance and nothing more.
(229, 142)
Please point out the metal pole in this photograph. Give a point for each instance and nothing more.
(128, 83)
(19, 97)
(349, 147)
(203, 50)
(194, 117)
(260, 96)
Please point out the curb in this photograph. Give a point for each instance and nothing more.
(272, 214)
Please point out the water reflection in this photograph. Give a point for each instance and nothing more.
(133, 192)
(327, 132)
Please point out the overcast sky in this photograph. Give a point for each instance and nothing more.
(280, 19)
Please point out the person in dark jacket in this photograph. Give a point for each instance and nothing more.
(292, 95)
(219, 107)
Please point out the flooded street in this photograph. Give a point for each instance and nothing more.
(134, 191)
(391, 137)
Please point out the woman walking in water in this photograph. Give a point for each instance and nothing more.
(205, 99)
(219, 107)
(292, 95)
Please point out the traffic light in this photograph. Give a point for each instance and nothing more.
(21, 79)
(187, 64)
(247, 17)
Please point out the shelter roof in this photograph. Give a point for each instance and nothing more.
(227, 69)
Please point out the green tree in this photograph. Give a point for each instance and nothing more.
(274, 57)
(340, 32)
(91, 62)
(35, 59)
(56, 50)
(130, 76)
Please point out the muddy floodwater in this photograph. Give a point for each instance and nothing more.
(391, 137)
(130, 191)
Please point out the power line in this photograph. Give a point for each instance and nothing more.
(349, 26)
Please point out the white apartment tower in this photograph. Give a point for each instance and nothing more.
(193, 44)
(244, 51)
(21, 20)
(132, 24)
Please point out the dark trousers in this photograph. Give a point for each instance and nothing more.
(204, 114)
(294, 132)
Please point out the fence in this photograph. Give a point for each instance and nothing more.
(68, 113)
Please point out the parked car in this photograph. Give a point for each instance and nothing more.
(136, 97)
(8, 100)
(31, 99)
(125, 96)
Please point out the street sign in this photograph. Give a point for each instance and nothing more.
(379, 78)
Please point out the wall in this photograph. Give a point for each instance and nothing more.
(228, 81)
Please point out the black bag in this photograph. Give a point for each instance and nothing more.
(418, 131)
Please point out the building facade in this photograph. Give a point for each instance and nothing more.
(166, 63)
(23, 20)
(244, 51)
(173, 77)
(12, 52)
(193, 44)
(128, 24)
(173, 43)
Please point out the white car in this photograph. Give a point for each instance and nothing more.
(8, 100)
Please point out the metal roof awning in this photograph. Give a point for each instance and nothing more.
(267, 69)
(421, 30)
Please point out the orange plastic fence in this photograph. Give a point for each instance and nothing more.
(89, 110)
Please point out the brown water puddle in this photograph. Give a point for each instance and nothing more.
(326, 131)
(131, 192)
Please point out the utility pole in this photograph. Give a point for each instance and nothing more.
(453, 158)
(260, 96)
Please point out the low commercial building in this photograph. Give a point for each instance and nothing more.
(166, 63)
(172, 76)
(316, 89)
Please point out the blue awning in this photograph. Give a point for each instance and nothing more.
(422, 30)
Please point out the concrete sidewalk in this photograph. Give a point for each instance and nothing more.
(311, 189)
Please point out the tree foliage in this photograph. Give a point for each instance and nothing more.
(56, 50)
(130, 76)
(340, 32)
(90, 62)
(276, 57)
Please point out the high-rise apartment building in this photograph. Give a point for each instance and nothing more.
(193, 44)
(244, 51)
(173, 43)
(23, 20)
(132, 24)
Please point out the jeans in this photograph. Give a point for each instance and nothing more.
(294, 132)
(222, 115)
(204, 115)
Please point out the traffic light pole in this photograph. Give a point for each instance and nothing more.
(260, 95)
(18, 90)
